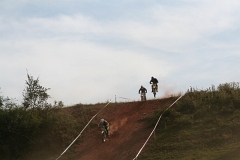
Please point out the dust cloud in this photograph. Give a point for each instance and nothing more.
(168, 91)
(116, 125)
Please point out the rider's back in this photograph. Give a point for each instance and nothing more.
(154, 80)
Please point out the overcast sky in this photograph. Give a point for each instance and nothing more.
(88, 51)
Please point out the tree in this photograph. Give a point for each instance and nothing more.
(7, 103)
(1, 101)
(34, 95)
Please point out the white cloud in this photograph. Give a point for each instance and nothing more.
(88, 59)
(85, 68)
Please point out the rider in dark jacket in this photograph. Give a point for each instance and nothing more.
(154, 81)
(142, 90)
(104, 123)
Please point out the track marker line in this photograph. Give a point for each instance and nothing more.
(83, 130)
(155, 128)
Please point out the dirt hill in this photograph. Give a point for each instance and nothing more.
(128, 131)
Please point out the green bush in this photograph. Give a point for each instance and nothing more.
(18, 127)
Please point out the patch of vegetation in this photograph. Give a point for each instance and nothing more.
(203, 124)
(35, 129)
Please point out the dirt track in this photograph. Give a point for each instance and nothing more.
(128, 131)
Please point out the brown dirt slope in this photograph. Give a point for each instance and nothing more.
(128, 131)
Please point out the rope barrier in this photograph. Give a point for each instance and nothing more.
(125, 98)
(155, 127)
(122, 98)
(83, 130)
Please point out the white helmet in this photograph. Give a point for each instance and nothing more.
(102, 120)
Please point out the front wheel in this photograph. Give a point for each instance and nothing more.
(104, 135)
(143, 96)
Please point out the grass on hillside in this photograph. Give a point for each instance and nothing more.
(203, 125)
(67, 125)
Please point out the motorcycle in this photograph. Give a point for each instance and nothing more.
(104, 133)
(143, 96)
(154, 89)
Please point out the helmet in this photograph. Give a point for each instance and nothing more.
(102, 120)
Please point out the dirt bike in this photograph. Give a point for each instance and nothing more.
(104, 133)
(143, 96)
(154, 89)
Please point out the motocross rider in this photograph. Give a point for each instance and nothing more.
(104, 123)
(154, 81)
(142, 90)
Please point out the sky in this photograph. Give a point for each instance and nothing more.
(91, 51)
